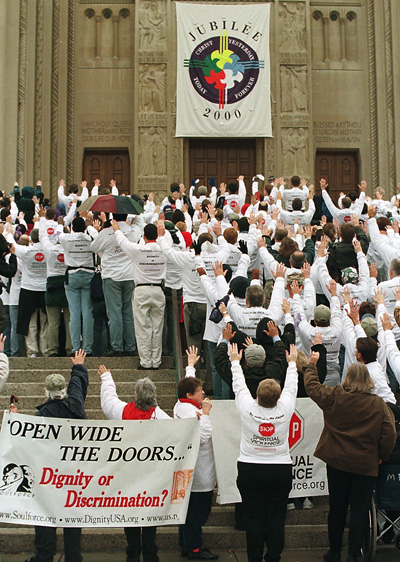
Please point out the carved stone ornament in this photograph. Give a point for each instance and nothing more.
(295, 151)
(294, 89)
(152, 88)
(153, 151)
(292, 18)
(152, 19)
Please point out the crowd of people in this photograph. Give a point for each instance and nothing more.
(288, 295)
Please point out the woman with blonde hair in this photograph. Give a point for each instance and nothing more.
(358, 434)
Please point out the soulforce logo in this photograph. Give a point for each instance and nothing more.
(224, 70)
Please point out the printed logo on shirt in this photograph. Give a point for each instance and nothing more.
(50, 231)
(39, 257)
(266, 429)
(233, 204)
(347, 218)
(60, 258)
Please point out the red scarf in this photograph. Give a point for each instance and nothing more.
(190, 401)
(130, 412)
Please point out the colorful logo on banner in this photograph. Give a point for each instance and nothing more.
(223, 70)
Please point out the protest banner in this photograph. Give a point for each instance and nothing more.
(90, 473)
(223, 70)
(309, 477)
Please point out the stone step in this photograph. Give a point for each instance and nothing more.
(35, 363)
(224, 516)
(123, 375)
(92, 401)
(123, 387)
(20, 539)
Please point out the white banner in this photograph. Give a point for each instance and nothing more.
(309, 475)
(223, 70)
(86, 473)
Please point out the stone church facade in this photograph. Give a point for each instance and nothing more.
(89, 90)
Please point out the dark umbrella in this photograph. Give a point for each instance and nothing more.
(115, 204)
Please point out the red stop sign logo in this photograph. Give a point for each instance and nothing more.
(266, 429)
(296, 430)
(60, 258)
(50, 231)
(39, 257)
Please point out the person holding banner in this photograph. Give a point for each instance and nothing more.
(62, 402)
(143, 408)
(192, 403)
(359, 433)
(264, 464)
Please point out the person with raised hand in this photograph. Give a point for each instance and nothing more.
(144, 407)
(359, 432)
(62, 402)
(264, 463)
(193, 403)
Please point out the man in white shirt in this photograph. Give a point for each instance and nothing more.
(295, 191)
(344, 215)
(79, 273)
(149, 268)
(73, 197)
(118, 285)
(31, 299)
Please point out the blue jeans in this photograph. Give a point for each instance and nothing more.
(16, 340)
(220, 387)
(80, 308)
(118, 298)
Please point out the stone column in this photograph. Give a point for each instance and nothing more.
(152, 133)
(294, 131)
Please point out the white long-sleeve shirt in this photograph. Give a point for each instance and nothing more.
(149, 263)
(4, 370)
(392, 353)
(382, 243)
(34, 266)
(360, 291)
(186, 261)
(265, 431)
(204, 476)
(115, 263)
(247, 319)
(343, 215)
(113, 407)
(304, 217)
(332, 334)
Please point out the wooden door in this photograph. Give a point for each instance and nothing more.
(106, 165)
(340, 169)
(224, 159)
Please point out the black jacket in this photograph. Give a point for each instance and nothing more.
(342, 255)
(73, 406)
(274, 368)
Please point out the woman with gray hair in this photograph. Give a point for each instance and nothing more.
(143, 408)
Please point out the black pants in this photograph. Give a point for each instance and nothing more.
(264, 489)
(46, 542)
(190, 534)
(137, 544)
(346, 488)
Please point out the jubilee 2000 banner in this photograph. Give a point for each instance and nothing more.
(223, 70)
